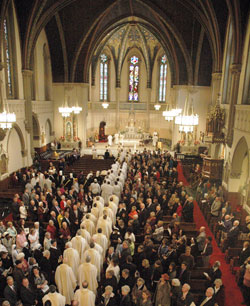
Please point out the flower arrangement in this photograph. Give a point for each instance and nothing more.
(181, 142)
(196, 142)
(62, 138)
(76, 138)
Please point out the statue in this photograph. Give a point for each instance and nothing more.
(102, 136)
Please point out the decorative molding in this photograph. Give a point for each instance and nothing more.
(235, 68)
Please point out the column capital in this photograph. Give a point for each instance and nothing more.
(27, 72)
(2, 65)
(235, 68)
(217, 75)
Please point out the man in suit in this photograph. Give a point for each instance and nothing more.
(18, 274)
(183, 274)
(27, 294)
(232, 236)
(55, 254)
(207, 251)
(187, 210)
(125, 300)
(10, 291)
(201, 239)
(208, 300)
(185, 298)
(245, 253)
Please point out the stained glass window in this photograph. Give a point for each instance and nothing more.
(163, 79)
(104, 77)
(7, 56)
(133, 79)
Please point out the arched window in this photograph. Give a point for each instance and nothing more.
(163, 79)
(9, 75)
(104, 78)
(133, 79)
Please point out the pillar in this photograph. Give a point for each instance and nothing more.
(82, 128)
(117, 112)
(235, 70)
(27, 89)
(149, 92)
(215, 84)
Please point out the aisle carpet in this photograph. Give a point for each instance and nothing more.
(232, 291)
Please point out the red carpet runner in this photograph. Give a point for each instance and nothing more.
(232, 291)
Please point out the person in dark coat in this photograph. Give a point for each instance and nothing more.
(55, 254)
(183, 274)
(10, 291)
(108, 298)
(18, 274)
(126, 279)
(110, 280)
(15, 209)
(125, 299)
(208, 299)
(219, 292)
(28, 296)
(232, 236)
(213, 273)
(245, 253)
(187, 210)
(186, 298)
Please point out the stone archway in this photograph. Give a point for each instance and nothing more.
(239, 174)
(36, 127)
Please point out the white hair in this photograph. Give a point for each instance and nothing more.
(126, 289)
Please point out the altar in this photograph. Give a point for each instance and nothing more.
(69, 145)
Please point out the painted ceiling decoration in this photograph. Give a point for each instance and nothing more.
(191, 33)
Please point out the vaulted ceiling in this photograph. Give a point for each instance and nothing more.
(191, 32)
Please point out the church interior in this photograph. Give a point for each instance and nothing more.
(91, 77)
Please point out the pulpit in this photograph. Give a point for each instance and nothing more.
(212, 168)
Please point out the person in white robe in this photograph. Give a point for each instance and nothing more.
(105, 225)
(107, 190)
(101, 239)
(85, 234)
(95, 188)
(89, 225)
(54, 297)
(116, 138)
(80, 244)
(84, 296)
(88, 272)
(115, 199)
(155, 139)
(108, 211)
(72, 257)
(117, 190)
(95, 258)
(65, 281)
(113, 206)
(110, 140)
(98, 199)
(95, 210)
(91, 217)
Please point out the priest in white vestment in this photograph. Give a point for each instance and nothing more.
(115, 199)
(105, 225)
(92, 217)
(65, 281)
(84, 296)
(88, 272)
(85, 234)
(89, 225)
(101, 239)
(54, 297)
(80, 244)
(95, 211)
(72, 257)
(95, 257)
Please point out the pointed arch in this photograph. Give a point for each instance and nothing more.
(241, 151)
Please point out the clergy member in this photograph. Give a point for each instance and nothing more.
(54, 297)
(88, 272)
(84, 296)
(72, 257)
(65, 281)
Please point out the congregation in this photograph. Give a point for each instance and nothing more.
(105, 239)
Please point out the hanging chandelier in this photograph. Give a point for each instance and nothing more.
(76, 109)
(188, 119)
(105, 105)
(157, 107)
(7, 118)
(65, 110)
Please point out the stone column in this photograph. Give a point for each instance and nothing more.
(235, 70)
(117, 113)
(27, 89)
(84, 114)
(215, 84)
(149, 91)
